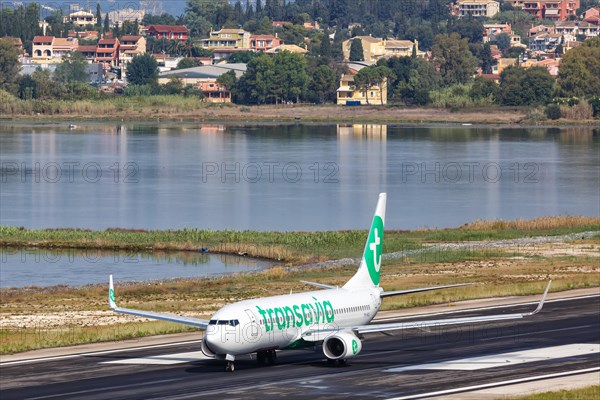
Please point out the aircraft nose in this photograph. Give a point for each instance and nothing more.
(211, 337)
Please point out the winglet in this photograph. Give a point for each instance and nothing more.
(541, 304)
(111, 293)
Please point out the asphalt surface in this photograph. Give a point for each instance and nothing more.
(304, 373)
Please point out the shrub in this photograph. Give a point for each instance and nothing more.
(552, 111)
(581, 110)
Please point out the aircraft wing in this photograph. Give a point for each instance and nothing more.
(197, 322)
(322, 334)
(452, 321)
(409, 291)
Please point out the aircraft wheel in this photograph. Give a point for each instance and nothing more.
(271, 356)
(230, 367)
(342, 362)
(261, 357)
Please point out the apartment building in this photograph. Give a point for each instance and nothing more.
(478, 8)
(227, 38)
(555, 10)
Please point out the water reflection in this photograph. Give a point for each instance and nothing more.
(47, 267)
(290, 176)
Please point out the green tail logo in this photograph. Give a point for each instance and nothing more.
(373, 250)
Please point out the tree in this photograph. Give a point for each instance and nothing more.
(9, 65)
(368, 77)
(452, 57)
(486, 59)
(356, 50)
(532, 86)
(579, 73)
(228, 80)
(98, 15)
(325, 49)
(503, 41)
(72, 69)
(142, 70)
(187, 62)
(413, 79)
(484, 88)
(324, 83)
(106, 26)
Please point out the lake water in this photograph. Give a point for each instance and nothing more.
(290, 177)
(21, 268)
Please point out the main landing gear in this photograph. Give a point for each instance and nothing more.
(230, 367)
(269, 356)
(339, 362)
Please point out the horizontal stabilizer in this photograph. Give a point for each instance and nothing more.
(321, 285)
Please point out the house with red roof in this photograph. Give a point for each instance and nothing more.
(41, 49)
(592, 16)
(170, 32)
(107, 52)
(131, 46)
(262, 43)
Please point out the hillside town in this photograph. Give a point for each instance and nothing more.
(483, 38)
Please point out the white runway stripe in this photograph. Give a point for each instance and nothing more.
(506, 359)
(166, 359)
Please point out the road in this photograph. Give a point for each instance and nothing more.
(563, 338)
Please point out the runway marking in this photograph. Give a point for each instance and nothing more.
(165, 359)
(506, 359)
(495, 384)
(101, 389)
(97, 353)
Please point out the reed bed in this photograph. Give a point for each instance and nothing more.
(586, 393)
(287, 247)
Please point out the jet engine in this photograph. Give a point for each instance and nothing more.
(342, 345)
(206, 350)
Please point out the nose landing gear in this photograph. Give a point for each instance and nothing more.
(230, 367)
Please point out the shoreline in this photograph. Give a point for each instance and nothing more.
(331, 114)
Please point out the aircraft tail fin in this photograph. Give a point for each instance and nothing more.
(370, 264)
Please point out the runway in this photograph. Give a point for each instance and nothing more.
(563, 339)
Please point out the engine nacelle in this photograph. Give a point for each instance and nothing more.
(342, 345)
(206, 350)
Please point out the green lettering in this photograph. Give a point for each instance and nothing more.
(280, 321)
(299, 317)
(307, 314)
(289, 316)
(328, 311)
(264, 315)
(270, 311)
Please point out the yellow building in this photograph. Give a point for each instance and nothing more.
(348, 94)
(377, 48)
(227, 39)
(81, 18)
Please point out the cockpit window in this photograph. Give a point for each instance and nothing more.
(232, 322)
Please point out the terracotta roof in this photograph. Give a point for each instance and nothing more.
(65, 42)
(130, 38)
(168, 28)
(43, 39)
(368, 39)
(107, 41)
(86, 48)
(399, 43)
(263, 37)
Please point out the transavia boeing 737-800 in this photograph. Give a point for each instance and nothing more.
(336, 317)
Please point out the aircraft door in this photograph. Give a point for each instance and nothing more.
(251, 331)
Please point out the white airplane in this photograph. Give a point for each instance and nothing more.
(336, 317)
